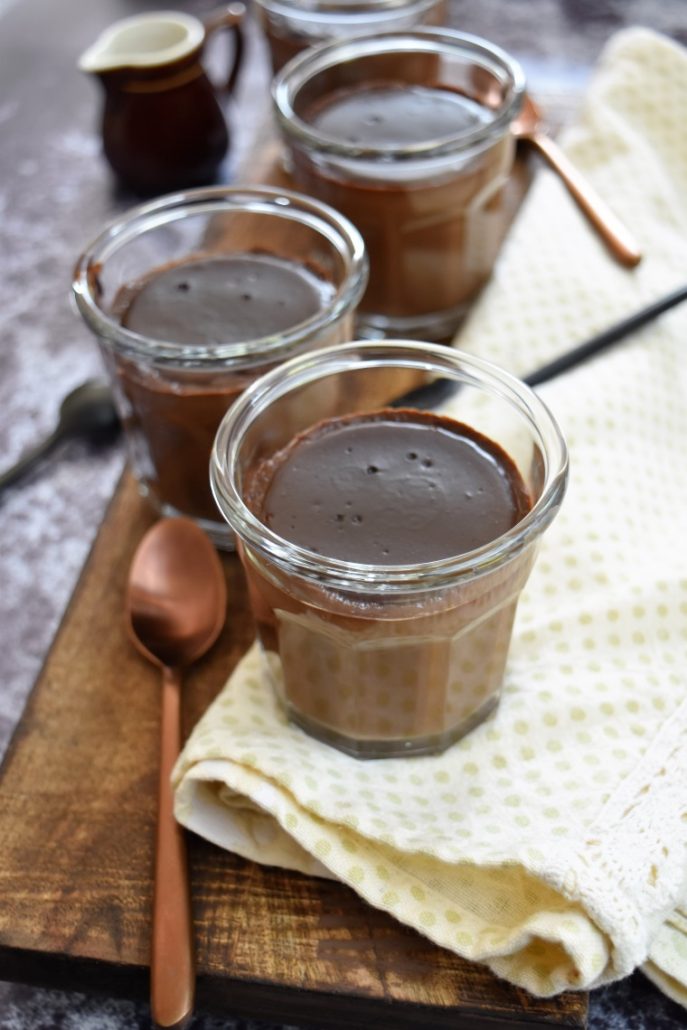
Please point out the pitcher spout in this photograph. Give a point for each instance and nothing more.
(143, 41)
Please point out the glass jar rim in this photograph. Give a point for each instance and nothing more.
(336, 228)
(341, 7)
(323, 56)
(415, 578)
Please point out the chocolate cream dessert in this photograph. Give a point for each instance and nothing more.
(206, 301)
(290, 32)
(432, 227)
(387, 488)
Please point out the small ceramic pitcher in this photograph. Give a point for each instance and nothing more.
(162, 124)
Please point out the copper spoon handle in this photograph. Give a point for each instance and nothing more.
(172, 967)
(607, 224)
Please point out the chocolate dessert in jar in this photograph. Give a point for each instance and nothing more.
(408, 135)
(192, 297)
(385, 547)
(291, 25)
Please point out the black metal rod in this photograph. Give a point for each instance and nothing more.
(440, 390)
(605, 339)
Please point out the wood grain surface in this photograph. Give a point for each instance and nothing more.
(77, 813)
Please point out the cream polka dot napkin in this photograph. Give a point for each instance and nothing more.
(551, 843)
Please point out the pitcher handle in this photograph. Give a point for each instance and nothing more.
(229, 17)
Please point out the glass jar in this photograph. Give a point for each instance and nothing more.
(408, 135)
(293, 25)
(178, 357)
(384, 659)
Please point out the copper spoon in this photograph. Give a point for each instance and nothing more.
(176, 608)
(620, 242)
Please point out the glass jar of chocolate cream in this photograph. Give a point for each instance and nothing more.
(193, 296)
(387, 498)
(408, 134)
(293, 25)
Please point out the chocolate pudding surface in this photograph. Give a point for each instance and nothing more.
(225, 299)
(390, 487)
(174, 413)
(396, 115)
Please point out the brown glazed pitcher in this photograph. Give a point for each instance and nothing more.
(162, 124)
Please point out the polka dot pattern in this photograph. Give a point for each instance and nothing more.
(552, 841)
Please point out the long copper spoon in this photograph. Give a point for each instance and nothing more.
(176, 607)
(620, 242)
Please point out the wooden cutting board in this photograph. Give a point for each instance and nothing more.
(77, 814)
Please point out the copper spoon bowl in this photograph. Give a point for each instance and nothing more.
(527, 127)
(175, 609)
